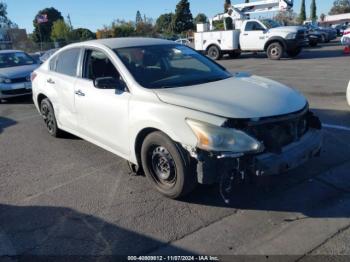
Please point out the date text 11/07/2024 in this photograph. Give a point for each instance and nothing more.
(173, 258)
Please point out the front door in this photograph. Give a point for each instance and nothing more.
(253, 37)
(103, 114)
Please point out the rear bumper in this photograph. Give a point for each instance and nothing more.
(210, 167)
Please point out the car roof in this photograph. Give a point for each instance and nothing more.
(122, 42)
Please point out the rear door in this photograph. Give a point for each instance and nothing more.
(253, 37)
(103, 114)
(62, 78)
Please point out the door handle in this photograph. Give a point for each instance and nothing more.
(245, 34)
(79, 93)
(50, 81)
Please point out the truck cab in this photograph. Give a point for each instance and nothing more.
(253, 36)
(267, 35)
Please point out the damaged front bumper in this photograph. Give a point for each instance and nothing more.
(210, 167)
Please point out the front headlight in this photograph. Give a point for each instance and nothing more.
(5, 80)
(291, 36)
(220, 139)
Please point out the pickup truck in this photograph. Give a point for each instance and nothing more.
(254, 36)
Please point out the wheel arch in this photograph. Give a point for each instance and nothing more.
(212, 44)
(275, 39)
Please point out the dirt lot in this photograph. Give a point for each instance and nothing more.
(69, 197)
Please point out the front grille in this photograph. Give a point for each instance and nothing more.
(19, 91)
(276, 132)
(19, 80)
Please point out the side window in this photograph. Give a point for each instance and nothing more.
(67, 62)
(97, 64)
(253, 26)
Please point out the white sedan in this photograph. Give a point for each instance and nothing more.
(174, 113)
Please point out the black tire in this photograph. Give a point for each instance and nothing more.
(235, 54)
(275, 51)
(294, 53)
(167, 166)
(214, 52)
(48, 115)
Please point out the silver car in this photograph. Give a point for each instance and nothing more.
(15, 70)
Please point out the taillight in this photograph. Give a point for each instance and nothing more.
(33, 76)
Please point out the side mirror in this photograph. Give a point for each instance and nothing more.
(109, 83)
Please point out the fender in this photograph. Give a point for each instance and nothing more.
(276, 39)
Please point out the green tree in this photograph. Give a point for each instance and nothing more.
(201, 19)
(227, 5)
(163, 23)
(286, 17)
(340, 7)
(82, 34)
(302, 15)
(138, 17)
(61, 31)
(42, 32)
(183, 19)
(3, 16)
(120, 28)
(247, 1)
(313, 10)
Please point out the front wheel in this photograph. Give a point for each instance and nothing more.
(167, 166)
(275, 51)
(214, 52)
(294, 53)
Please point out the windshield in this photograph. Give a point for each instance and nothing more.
(168, 66)
(270, 23)
(15, 59)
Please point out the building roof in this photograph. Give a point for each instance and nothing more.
(336, 18)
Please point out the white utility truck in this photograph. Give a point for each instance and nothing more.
(242, 34)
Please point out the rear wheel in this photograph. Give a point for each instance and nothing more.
(167, 166)
(214, 52)
(48, 115)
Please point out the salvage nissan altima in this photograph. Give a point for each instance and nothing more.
(173, 113)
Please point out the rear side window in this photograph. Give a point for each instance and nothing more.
(67, 62)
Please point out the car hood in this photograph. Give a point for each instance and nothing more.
(287, 29)
(237, 97)
(18, 71)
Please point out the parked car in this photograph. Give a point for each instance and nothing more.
(47, 54)
(174, 113)
(15, 69)
(314, 38)
(345, 40)
(326, 35)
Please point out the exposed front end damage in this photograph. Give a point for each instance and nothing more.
(289, 141)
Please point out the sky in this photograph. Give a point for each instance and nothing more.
(94, 14)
